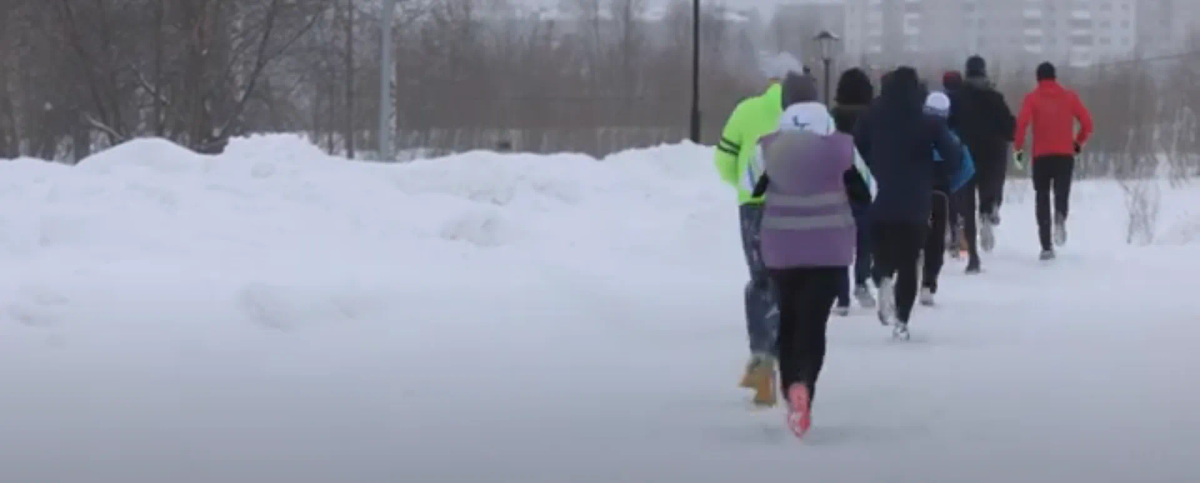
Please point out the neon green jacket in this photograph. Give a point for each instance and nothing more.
(751, 119)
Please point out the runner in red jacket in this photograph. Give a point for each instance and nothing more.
(1053, 110)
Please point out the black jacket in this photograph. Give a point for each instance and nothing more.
(846, 117)
(897, 140)
(986, 124)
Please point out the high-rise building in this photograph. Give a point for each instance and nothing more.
(1166, 27)
(1077, 32)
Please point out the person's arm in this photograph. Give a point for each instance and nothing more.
(865, 172)
(761, 187)
(1085, 121)
(964, 175)
(1023, 123)
(857, 189)
(1006, 122)
(946, 146)
(862, 136)
(729, 147)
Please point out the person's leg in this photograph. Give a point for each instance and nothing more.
(863, 252)
(1062, 189)
(790, 285)
(966, 207)
(762, 315)
(882, 235)
(1042, 174)
(816, 300)
(909, 240)
(935, 243)
(761, 323)
(881, 263)
(952, 225)
(843, 292)
(1063, 172)
(991, 186)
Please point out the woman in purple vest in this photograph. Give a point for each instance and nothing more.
(808, 238)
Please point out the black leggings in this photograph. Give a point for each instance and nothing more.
(935, 241)
(806, 296)
(897, 247)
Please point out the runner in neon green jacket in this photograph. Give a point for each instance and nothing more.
(751, 119)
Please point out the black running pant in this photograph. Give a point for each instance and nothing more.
(989, 179)
(805, 299)
(965, 198)
(897, 247)
(935, 241)
(1051, 174)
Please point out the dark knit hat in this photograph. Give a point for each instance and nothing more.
(798, 88)
(1046, 71)
(976, 67)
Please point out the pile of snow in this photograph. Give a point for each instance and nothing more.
(276, 314)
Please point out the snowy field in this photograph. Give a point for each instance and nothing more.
(276, 315)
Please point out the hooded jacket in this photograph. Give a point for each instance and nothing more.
(946, 180)
(854, 95)
(750, 120)
(895, 139)
(983, 119)
(811, 174)
(1053, 110)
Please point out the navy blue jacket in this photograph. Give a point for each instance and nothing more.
(894, 138)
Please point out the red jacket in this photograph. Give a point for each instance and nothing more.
(1053, 110)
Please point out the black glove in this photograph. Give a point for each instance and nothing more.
(1078, 148)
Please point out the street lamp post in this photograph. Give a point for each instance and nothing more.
(385, 81)
(825, 40)
(695, 118)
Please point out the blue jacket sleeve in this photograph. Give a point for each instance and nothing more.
(966, 170)
(965, 174)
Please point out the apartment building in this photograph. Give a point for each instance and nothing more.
(1167, 27)
(1077, 32)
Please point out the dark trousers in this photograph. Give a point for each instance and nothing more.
(864, 254)
(988, 185)
(1051, 174)
(989, 180)
(935, 241)
(965, 201)
(862, 257)
(805, 298)
(897, 247)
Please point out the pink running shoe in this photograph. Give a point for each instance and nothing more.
(799, 417)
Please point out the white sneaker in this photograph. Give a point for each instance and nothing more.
(987, 234)
(887, 301)
(840, 311)
(926, 296)
(901, 331)
(863, 294)
(1060, 231)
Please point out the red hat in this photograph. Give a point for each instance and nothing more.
(952, 78)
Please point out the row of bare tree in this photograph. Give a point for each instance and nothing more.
(592, 76)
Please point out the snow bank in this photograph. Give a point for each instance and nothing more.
(275, 211)
(275, 314)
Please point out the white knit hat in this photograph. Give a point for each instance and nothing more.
(938, 104)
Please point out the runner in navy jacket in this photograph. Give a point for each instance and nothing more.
(894, 138)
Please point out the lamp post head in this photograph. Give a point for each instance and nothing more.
(825, 40)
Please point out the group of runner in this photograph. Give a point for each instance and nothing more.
(878, 183)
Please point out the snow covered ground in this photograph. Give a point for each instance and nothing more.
(276, 315)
